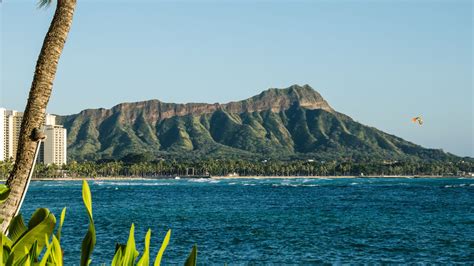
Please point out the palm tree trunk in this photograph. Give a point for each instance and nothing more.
(33, 116)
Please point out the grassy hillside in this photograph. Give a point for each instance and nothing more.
(288, 123)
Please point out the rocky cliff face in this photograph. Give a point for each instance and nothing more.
(292, 122)
(154, 111)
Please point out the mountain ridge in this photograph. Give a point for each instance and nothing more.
(295, 122)
(273, 98)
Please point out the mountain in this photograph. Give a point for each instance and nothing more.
(290, 123)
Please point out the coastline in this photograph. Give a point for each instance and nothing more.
(331, 177)
(131, 178)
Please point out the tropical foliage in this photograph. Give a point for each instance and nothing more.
(172, 168)
(37, 244)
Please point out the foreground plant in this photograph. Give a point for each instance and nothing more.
(36, 244)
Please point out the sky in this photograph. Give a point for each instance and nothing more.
(380, 62)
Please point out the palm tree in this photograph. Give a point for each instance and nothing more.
(35, 110)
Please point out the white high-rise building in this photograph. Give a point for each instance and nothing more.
(10, 124)
(54, 148)
(49, 120)
(55, 145)
(15, 121)
(6, 138)
(3, 134)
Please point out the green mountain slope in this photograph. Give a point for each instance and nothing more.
(295, 122)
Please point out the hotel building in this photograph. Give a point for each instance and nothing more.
(53, 149)
(55, 146)
(3, 135)
(10, 124)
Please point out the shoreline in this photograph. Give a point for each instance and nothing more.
(131, 178)
(333, 177)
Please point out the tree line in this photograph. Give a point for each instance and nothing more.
(215, 167)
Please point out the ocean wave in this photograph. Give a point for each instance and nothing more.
(55, 185)
(459, 185)
(295, 185)
(101, 183)
(200, 180)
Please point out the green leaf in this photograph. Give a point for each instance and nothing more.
(162, 248)
(16, 228)
(131, 252)
(4, 192)
(34, 252)
(1, 249)
(10, 259)
(47, 253)
(145, 259)
(28, 260)
(61, 221)
(87, 198)
(88, 243)
(24, 260)
(192, 259)
(120, 246)
(117, 261)
(5, 249)
(56, 252)
(44, 3)
(6, 241)
(42, 223)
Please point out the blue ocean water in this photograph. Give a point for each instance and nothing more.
(272, 221)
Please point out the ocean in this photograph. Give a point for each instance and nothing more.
(272, 221)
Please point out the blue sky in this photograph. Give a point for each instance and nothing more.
(380, 62)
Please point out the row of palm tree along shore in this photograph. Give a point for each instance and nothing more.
(240, 168)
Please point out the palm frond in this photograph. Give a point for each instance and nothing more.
(44, 3)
